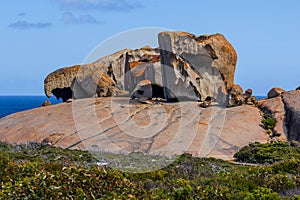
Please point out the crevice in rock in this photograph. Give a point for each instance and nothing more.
(290, 120)
(157, 91)
(287, 115)
(211, 51)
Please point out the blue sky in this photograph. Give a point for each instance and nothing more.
(38, 37)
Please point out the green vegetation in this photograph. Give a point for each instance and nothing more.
(36, 171)
(269, 153)
(269, 123)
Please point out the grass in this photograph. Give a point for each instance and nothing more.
(36, 171)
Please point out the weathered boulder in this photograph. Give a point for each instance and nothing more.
(143, 91)
(235, 97)
(196, 67)
(274, 92)
(59, 82)
(248, 93)
(249, 99)
(291, 101)
(125, 68)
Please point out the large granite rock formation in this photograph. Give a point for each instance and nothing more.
(192, 68)
(123, 70)
(100, 122)
(196, 67)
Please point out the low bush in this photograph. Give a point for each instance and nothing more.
(54, 173)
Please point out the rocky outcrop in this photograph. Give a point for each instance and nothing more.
(285, 108)
(236, 97)
(119, 71)
(291, 102)
(59, 82)
(184, 67)
(196, 67)
(274, 92)
(107, 123)
(275, 108)
(298, 88)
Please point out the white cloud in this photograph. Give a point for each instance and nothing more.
(69, 18)
(116, 5)
(23, 25)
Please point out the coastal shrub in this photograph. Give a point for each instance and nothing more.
(262, 193)
(269, 123)
(55, 173)
(268, 153)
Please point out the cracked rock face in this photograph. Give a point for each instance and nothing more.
(291, 102)
(275, 108)
(196, 67)
(122, 70)
(285, 108)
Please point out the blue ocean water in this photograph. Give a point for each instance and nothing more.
(260, 97)
(13, 104)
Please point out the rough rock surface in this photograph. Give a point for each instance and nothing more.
(125, 68)
(235, 97)
(143, 90)
(107, 123)
(275, 108)
(196, 67)
(97, 84)
(291, 101)
(274, 92)
(286, 110)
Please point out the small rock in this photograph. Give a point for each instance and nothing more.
(248, 93)
(46, 103)
(251, 101)
(206, 102)
(274, 92)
